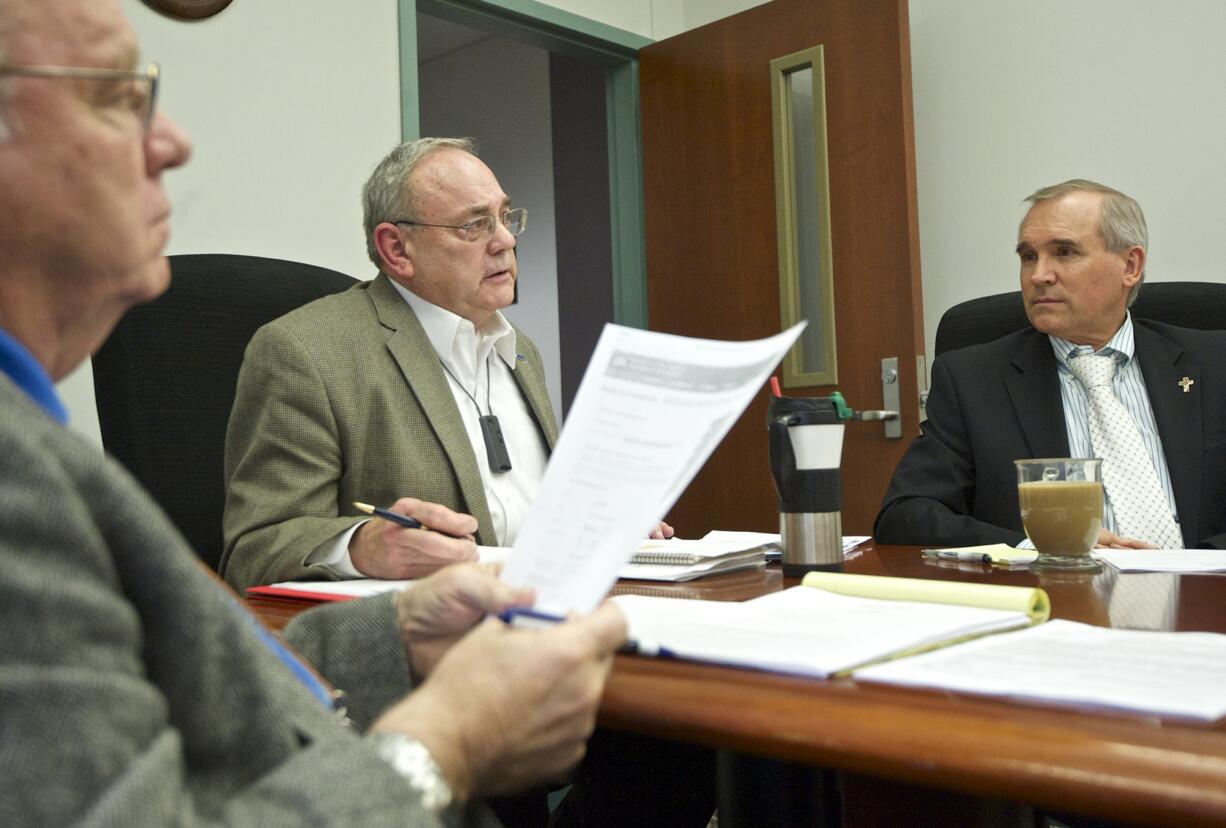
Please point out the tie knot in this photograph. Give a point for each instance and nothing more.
(1093, 370)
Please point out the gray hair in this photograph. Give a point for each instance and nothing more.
(388, 194)
(1121, 224)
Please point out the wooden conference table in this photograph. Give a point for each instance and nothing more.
(916, 757)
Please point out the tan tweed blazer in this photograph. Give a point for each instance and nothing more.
(345, 399)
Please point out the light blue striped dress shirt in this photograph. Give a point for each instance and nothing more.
(1129, 387)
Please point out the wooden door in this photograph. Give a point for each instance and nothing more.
(709, 202)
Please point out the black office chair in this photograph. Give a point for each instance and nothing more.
(165, 378)
(1199, 305)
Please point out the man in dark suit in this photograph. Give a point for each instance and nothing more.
(134, 688)
(1082, 248)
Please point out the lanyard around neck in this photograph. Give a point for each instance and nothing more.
(491, 431)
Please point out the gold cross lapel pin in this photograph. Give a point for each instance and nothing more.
(1186, 384)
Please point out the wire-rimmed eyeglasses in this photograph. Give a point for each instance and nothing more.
(480, 229)
(140, 96)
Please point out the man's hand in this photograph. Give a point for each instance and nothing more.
(436, 612)
(382, 549)
(662, 531)
(1110, 540)
(506, 709)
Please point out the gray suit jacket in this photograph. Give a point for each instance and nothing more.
(998, 402)
(134, 689)
(345, 399)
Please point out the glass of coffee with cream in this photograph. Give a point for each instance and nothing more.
(1061, 500)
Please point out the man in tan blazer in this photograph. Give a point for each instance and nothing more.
(389, 389)
(386, 390)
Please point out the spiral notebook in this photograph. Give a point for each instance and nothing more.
(685, 560)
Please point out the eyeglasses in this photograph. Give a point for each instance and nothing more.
(480, 229)
(140, 95)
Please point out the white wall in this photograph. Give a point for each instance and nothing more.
(656, 19)
(1012, 96)
(289, 110)
(512, 125)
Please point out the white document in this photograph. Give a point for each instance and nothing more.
(1164, 560)
(365, 587)
(650, 410)
(772, 539)
(676, 573)
(335, 590)
(801, 630)
(1172, 674)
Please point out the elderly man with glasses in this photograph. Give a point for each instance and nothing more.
(410, 391)
(136, 690)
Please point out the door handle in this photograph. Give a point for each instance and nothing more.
(889, 399)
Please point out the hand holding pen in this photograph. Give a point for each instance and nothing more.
(398, 545)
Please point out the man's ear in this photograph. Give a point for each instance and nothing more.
(394, 253)
(1134, 265)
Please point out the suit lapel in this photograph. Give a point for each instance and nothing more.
(419, 363)
(1178, 415)
(1035, 392)
(532, 385)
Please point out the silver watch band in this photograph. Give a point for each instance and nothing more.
(410, 758)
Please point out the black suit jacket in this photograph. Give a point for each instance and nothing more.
(998, 402)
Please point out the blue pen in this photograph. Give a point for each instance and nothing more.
(530, 618)
(524, 617)
(388, 514)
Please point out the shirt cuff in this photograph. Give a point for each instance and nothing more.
(335, 553)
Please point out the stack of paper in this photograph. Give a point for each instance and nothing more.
(318, 591)
(1164, 560)
(818, 632)
(1174, 674)
(772, 544)
(357, 588)
(685, 560)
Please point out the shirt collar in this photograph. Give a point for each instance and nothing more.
(30, 376)
(445, 329)
(1120, 345)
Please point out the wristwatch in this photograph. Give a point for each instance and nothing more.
(410, 758)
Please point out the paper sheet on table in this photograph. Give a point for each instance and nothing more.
(1173, 674)
(1164, 560)
(357, 587)
(650, 410)
(850, 542)
(805, 631)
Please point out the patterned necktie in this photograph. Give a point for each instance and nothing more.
(1137, 499)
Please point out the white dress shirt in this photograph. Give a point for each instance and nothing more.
(478, 365)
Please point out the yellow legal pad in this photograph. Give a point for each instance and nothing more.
(1030, 600)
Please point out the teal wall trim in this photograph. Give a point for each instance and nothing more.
(541, 25)
(626, 194)
(555, 30)
(410, 112)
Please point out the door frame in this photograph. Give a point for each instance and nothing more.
(555, 30)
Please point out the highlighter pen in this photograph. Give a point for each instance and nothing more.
(957, 555)
(397, 518)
